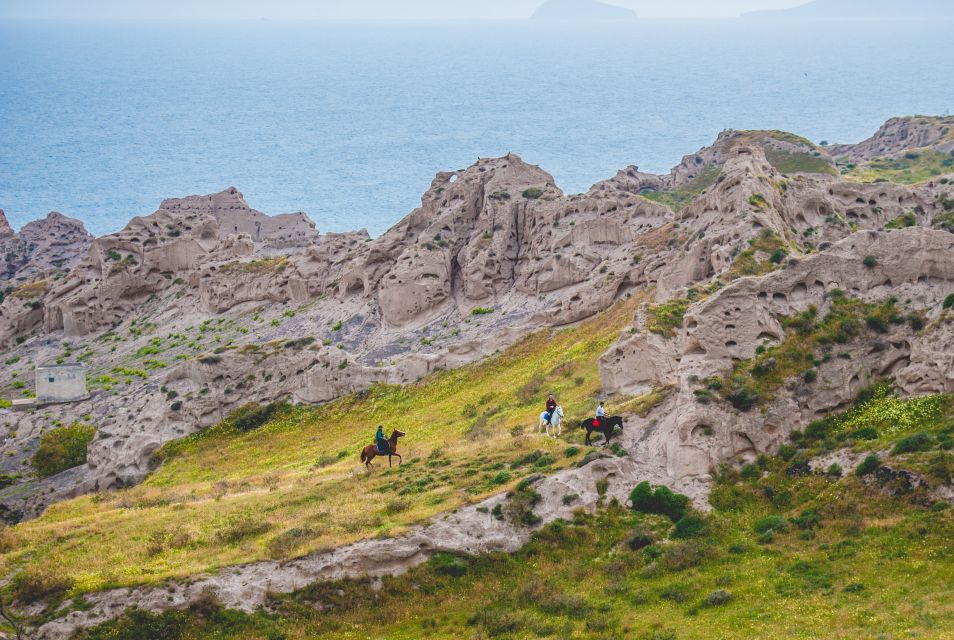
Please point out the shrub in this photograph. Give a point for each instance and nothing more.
(865, 433)
(870, 261)
(749, 471)
(834, 471)
(665, 318)
(481, 311)
(532, 193)
(661, 501)
(949, 301)
(239, 530)
(868, 465)
(770, 523)
(175, 406)
(778, 255)
(638, 540)
(718, 598)
(787, 451)
(36, 583)
(62, 448)
(253, 415)
(876, 323)
(810, 376)
(285, 544)
(809, 519)
(913, 444)
(689, 526)
(817, 430)
(744, 398)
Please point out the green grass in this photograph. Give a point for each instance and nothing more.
(678, 199)
(664, 318)
(266, 475)
(799, 162)
(784, 554)
(912, 168)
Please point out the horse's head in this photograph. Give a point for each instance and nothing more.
(559, 411)
(397, 434)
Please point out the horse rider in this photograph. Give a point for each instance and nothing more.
(600, 414)
(551, 408)
(384, 447)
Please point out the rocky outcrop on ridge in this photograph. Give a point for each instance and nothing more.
(42, 247)
(900, 135)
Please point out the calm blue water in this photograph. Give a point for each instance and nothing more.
(349, 122)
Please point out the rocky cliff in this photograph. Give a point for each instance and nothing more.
(206, 304)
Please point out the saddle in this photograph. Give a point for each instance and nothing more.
(597, 423)
(383, 447)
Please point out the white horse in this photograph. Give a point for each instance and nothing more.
(555, 423)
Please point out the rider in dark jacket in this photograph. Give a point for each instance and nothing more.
(551, 407)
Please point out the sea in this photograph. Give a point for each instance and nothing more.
(349, 121)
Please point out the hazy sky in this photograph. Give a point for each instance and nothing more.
(350, 9)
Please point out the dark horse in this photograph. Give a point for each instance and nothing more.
(607, 428)
(371, 451)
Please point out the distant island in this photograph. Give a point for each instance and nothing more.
(581, 10)
(862, 9)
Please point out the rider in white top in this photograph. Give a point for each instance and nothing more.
(600, 412)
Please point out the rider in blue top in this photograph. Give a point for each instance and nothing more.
(381, 441)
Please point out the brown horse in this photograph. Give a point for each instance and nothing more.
(370, 452)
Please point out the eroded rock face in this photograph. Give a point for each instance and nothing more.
(912, 265)
(42, 248)
(898, 136)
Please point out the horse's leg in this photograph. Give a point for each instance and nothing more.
(400, 459)
(389, 460)
(588, 433)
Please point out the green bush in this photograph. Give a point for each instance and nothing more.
(865, 433)
(662, 501)
(481, 311)
(62, 448)
(770, 523)
(253, 415)
(870, 262)
(914, 443)
(809, 519)
(868, 465)
(744, 399)
(532, 193)
(718, 598)
(949, 301)
(778, 255)
(689, 526)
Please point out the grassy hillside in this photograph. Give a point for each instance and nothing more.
(245, 491)
(911, 168)
(786, 553)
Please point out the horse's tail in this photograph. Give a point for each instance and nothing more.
(364, 456)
